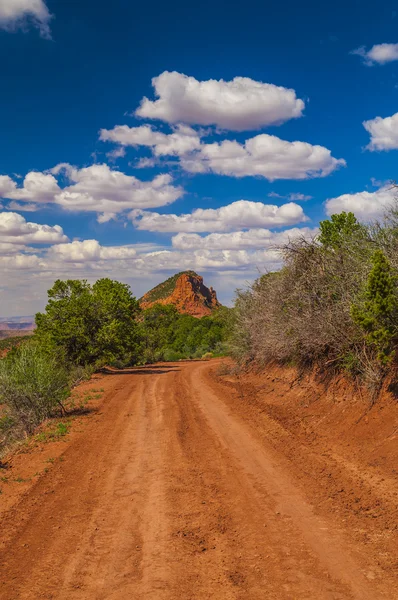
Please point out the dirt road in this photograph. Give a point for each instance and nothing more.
(170, 493)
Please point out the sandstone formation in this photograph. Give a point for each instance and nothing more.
(187, 292)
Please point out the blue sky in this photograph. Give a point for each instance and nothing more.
(270, 116)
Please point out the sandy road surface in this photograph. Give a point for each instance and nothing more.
(171, 494)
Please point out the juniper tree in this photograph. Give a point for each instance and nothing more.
(378, 314)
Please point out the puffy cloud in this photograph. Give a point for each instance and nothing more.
(37, 187)
(209, 260)
(365, 205)
(90, 250)
(238, 215)
(16, 14)
(183, 140)
(97, 188)
(103, 190)
(253, 238)
(379, 54)
(264, 156)
(238, 105)
(20, 262)
(383, 133)
(14, 229)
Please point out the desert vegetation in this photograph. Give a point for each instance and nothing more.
(168, 335)
(333, 305)
(83, 328)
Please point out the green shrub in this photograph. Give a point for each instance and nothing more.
(170, 355)
(33, 384)
(91, 324)
(378, 314)
(333, 304)
(168, 335)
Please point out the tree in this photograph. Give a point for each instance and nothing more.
(90, 324)
(338, 228)
(157, 329)
(377, 316)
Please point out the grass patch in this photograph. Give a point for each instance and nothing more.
(53, 432)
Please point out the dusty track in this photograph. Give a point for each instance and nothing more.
(171, 493)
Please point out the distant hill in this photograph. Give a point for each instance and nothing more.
(10, 326)
(186, 291)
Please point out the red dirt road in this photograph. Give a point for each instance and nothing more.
(172, 492)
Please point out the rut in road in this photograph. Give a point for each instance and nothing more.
(170, 495)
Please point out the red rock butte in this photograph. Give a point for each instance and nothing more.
(187, 292)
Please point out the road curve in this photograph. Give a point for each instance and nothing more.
(169, 494)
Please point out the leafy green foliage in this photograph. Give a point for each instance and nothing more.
(33, 383)
(11, 342)
(90, 324)
(168, 335)
(378, 314)
(338, 228)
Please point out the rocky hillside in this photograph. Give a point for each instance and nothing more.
(186, 291)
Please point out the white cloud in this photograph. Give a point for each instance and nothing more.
(15, 229)
(113, 155)
(20, 262)
(22, 207)
(183, 140)
(238, 215)
(379, 54)
(294, 197)
(37, 187)
(90, 250)
(383, 133)
(299, 197)
(253, 238)
(97, 188)
(264, 156)
(143, 163)
(103, 190)
(237, 105)
(205, 260)
(365, 205)
(15, 14)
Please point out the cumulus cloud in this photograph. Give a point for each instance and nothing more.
(184, 139)
(379, 54)
(97, 188)
(264, 156)
(14, 229)
(16, 14)
(253, 238)
(383, 133)
(103, 190)
(37, 187)
(365, 205)
(238, 215)
(20, 262)
(90, 250)
(237, 105)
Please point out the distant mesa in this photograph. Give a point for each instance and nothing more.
(187, 292)
(16, 326)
